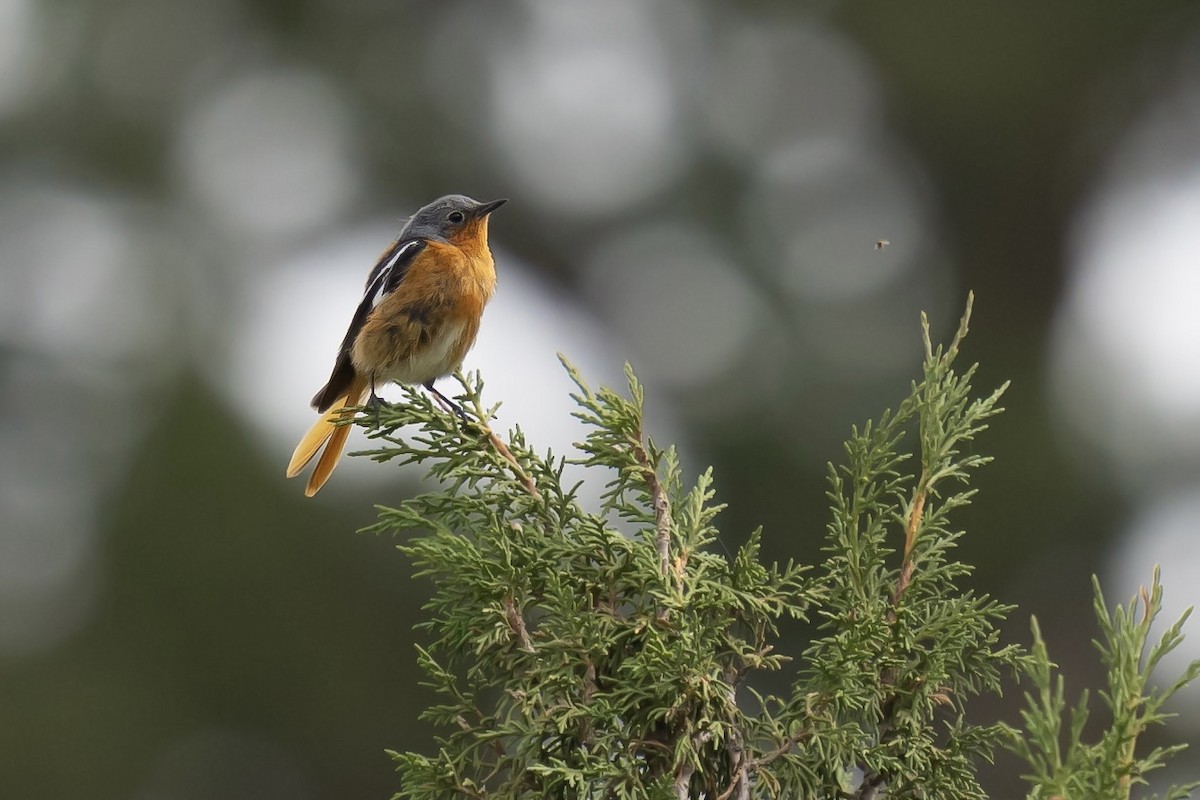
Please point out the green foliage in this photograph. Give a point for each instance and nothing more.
(612, 652)
(903, 647)
(1107, 768)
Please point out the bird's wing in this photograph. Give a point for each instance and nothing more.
(385, 277)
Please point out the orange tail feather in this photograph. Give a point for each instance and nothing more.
(326, 432)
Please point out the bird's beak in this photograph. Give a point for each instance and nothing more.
(483, 209)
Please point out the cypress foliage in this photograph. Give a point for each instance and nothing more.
(575, 660)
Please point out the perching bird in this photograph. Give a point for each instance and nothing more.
(416, 322)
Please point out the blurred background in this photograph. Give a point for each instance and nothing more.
(191, 195)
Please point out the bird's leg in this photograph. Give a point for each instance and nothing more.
(446, 402)
(375, 402)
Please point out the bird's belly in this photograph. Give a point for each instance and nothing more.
(440, 356)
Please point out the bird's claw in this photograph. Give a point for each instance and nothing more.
(375, 403)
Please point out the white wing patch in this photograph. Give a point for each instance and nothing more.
(375, 290)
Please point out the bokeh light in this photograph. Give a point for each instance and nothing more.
(767, 86)
(269, 152)
(19, 35)
(818, 203)
(679, 302)
(87, 328)
(180, 40)
(583, 106)
(1125, 357)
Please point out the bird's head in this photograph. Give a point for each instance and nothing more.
(454, 218)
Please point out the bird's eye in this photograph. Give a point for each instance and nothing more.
(456, 217)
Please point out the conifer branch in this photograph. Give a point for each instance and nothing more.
(735, 746)
(1109, 766)
(767, 758)
(646, 642)
(501, 448)
(496, 442)
(517, 623)
(739, 785)
(686, 769)
(915, 513)
(914, 516)
(659, 502)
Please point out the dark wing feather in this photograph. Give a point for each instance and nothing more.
(383, 280)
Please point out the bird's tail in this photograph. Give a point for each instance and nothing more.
(326, 432)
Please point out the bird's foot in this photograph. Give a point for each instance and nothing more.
(376, 404)
(447, 403)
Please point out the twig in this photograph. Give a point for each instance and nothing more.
(910, 542)
(735, 745)
(507, 455)
(1133, 729)
(682, 780)
(914, 518)
(683, 777)
(662, 506)
(586, 735)
(636, 743)
(517, 623)
(739, 784)
(780, 751)
(874, 783)
(497, 444)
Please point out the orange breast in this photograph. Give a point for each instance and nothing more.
(424, 329)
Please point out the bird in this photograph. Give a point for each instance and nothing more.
(417, 320)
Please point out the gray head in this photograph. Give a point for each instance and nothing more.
(450, 218)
